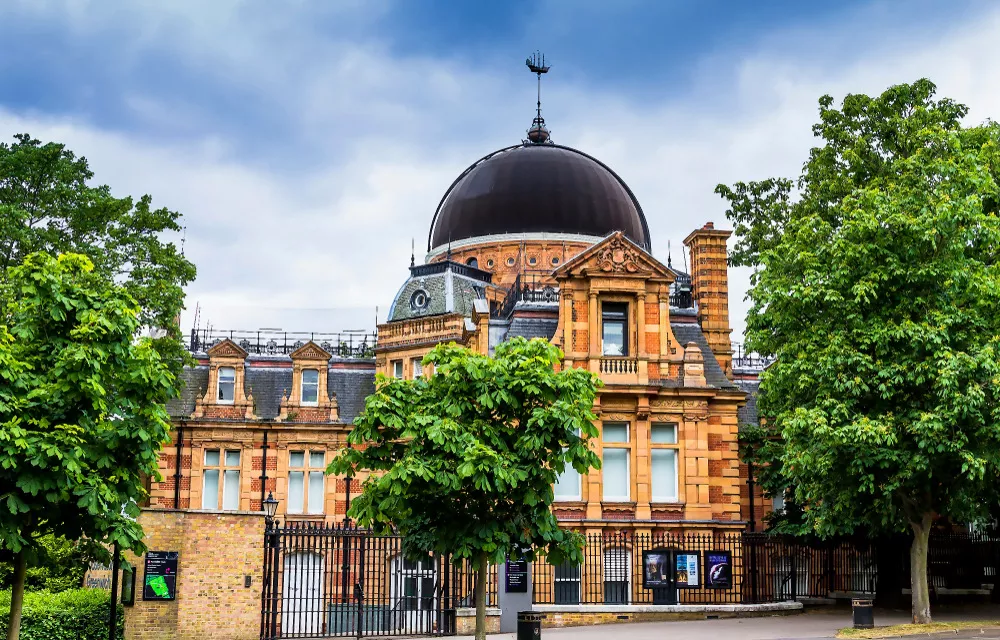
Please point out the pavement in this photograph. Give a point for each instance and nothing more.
(822, 623)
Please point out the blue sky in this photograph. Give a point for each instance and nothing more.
(307, 142)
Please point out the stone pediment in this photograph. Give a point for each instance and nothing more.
(311, 351)
(227, 349)
(615, 255)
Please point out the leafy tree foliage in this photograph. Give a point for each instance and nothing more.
(82, 409)
(464, 462)
(55, 564)
(878, 289)
(48, 204)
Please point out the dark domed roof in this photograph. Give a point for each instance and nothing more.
(537, 188)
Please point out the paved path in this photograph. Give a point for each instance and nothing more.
(812, 624)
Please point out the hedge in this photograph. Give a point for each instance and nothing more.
(76, 614)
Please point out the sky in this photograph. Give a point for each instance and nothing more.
(307, 142)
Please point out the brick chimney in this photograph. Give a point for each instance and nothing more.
(710, 280)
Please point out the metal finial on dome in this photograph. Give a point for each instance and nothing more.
(538, 133)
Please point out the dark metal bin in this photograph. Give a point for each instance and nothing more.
(529, 625)
(864, 617)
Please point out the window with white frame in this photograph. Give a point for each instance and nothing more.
(417, 367)
(227, 385)
(310, 387)
(567, 487)
(567, 583)
(615, 465)
(397, 369)
(306, 476)
(221, 479)
(664, 455)
(617, 576)
(778, 501)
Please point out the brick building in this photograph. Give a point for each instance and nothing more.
(534, 240)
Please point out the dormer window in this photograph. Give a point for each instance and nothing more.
(613, 318)
(310, 387)
(227, 385)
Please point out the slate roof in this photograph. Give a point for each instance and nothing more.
(532, 328)
(445, 291)
(686, 332)
(269, 383)
(193, 382)
(351, 387)
(748, 414)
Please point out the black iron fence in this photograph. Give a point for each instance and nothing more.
(322, 581)
(625, 568)
(758, 568)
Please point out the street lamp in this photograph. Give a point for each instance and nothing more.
(270, 508)
(271, 564)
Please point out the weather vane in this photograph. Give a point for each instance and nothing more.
(538, 133)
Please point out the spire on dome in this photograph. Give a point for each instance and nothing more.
(538, 133)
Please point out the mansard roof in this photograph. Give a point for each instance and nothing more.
(270, 379)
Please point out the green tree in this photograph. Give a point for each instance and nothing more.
(878, 289)
(463, 463)
(47, 204)
(82, 410)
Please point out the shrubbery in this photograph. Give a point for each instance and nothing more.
(76, 614)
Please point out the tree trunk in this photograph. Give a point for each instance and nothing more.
(17, 596)
(481, 573)
(921, 601)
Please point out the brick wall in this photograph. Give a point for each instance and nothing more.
(216, 551)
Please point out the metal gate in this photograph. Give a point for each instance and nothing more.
(323, 581)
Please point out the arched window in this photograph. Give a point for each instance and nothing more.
(472, 262)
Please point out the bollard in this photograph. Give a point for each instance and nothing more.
(864, 617)
(529, 625)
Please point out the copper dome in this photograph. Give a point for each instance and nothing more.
(537, 188)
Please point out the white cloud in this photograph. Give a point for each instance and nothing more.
(280, 244)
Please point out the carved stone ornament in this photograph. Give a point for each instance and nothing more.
(664, 403)
(618, 257)
(617, 417)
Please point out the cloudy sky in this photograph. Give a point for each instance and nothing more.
(307, 142)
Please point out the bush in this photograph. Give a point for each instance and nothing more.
(76, 614)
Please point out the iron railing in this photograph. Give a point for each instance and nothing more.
(743, 359)
(325, 580)
(345, 344)
(617, 567)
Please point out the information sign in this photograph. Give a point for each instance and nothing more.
(160, 578)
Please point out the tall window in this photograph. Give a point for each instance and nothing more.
(306, 471)
(221, 479)
(397, 369)
(310, 386)
(663, 458)
(567, 485)
(417, 367)
(227, 385)
(617, 576)
(567, 583)
(615, 466)
(614, 334)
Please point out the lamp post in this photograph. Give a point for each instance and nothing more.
(270, 508)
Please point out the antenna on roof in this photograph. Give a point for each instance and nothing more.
(413, 252)
(538, 133)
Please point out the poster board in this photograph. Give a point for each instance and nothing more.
(719, 569)
(159, 580)
(687, 570)
(656, 569)
(516, 574)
